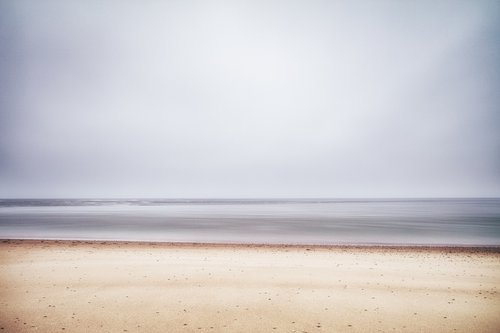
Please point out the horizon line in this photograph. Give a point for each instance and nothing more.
(248, 198)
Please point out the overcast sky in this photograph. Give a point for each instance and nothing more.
(249, 98)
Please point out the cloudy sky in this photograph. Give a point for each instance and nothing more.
(249, 98)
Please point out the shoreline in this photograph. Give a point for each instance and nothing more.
(159, 244)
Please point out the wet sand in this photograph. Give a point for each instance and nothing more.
(69, 286)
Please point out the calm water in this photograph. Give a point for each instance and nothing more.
(422, 221)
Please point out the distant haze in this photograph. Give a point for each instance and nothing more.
(249, 98)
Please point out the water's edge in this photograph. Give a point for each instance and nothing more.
(307, 247)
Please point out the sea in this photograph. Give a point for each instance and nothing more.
(455, 222)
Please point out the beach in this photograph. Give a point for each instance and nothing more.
(93, 286)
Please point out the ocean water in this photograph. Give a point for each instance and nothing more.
(332, 221)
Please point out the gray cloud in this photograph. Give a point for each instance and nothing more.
(249, 98)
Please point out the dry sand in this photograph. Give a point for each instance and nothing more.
(65, 286)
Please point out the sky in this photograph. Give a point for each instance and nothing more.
(236, 99)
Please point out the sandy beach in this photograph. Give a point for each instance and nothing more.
(72, 286)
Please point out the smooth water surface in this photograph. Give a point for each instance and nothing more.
(332, 221)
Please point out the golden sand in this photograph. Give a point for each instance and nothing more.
(65, 286)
